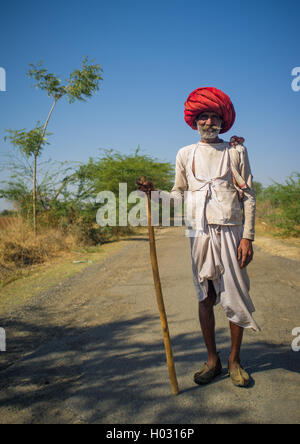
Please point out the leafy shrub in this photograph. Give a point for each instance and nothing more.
(21, 255)
(285, 202)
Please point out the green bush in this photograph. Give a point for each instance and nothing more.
(285, 203)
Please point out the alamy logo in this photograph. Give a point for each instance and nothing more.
(296, 80)
(2, 79)
(2, 340)
(296, 341)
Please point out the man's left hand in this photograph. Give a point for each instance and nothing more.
(245, 252)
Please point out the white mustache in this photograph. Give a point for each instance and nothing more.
(212, 128)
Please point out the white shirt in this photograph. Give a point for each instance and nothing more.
(209, 165)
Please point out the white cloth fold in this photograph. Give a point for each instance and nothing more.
(214, 257)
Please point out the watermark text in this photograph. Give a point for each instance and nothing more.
(296, 341)
(296, 80)
(2, 340)
(2, 79)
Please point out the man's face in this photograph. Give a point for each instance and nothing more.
(209, 125)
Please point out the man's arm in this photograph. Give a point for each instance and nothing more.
(245, 249)
(249, 197)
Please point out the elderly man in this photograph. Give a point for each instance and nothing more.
(215, 179)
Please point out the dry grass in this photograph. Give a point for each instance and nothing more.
(6, 221)
(20, 249)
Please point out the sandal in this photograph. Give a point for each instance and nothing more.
(239, 376)
(206, 374)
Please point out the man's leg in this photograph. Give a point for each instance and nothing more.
(207, 323)
(238, 375)
(236, 342)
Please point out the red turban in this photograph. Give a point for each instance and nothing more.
(209, 99)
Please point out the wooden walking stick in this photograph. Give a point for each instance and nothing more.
(160, 301)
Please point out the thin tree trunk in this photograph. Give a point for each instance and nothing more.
(45, 126)
(34, 196)
(35, 169)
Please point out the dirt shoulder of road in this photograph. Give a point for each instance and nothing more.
(288, 248)
(279, 247)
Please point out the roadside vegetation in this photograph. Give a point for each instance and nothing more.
(66, 207)
(278, 207)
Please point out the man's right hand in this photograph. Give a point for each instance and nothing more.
(145, 185)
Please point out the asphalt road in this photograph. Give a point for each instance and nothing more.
(90, 349)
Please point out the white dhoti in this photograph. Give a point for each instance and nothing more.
(214, 257)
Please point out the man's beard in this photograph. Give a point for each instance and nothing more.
(209, 131)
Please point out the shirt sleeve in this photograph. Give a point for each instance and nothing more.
(249, 196)
(180, 185)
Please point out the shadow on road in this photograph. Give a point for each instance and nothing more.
(110, 374)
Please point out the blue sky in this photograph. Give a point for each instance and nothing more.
(153, 54)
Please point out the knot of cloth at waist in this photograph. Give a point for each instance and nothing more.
(207, 187)
(203, 193)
